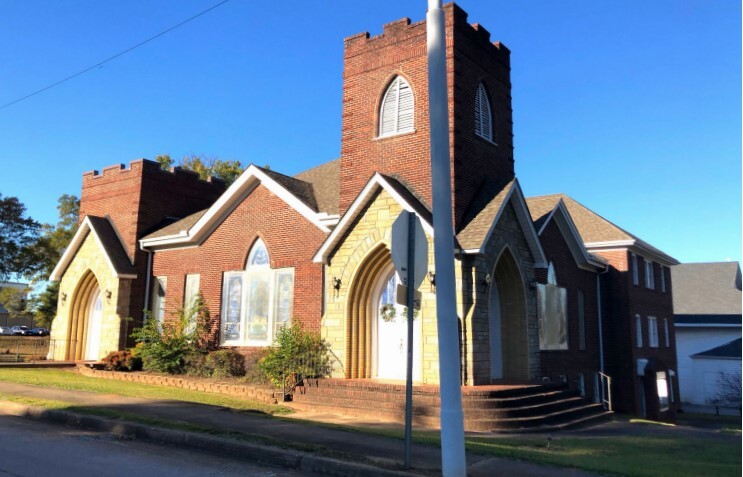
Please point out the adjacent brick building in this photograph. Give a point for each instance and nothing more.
(545, 287)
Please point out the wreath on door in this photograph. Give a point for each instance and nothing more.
(388, 312)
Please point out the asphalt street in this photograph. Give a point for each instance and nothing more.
(32, 448)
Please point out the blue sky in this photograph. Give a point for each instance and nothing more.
(632, 108)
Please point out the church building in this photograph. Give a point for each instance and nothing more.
(547, 290)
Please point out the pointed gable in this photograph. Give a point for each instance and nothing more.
(108, 241)
(194, 229)
(400, 193)
(490, 207)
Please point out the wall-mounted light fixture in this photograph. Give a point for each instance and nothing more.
(432, 281)
(337, 285)
(486, 281)
(64, 297)
(533, 284)
(108, 294)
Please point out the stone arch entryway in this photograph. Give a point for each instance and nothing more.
(86, 316)
(509, 346)
(371, 339)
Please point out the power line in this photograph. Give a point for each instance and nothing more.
(123, 52)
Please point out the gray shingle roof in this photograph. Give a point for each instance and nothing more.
(482, 214)
(706, 288)
(710, 320)
(592, 227)
(112, 245)
(178, 226)
(325, 182)
(728, 350)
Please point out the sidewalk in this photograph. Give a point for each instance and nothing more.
(348, 448)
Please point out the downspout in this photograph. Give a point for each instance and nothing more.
(147, 278)
(601, 324)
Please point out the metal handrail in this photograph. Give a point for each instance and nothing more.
(605, 390)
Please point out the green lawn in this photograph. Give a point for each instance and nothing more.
(637, 453)
(68, 379)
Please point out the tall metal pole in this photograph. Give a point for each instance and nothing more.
(411, 314)
(453, 462)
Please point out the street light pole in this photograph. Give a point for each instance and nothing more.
(453, 462)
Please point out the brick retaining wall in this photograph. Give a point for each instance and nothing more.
(244, 391)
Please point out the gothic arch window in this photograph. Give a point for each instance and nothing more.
(257, 301)
(396, 111)
(483, 114)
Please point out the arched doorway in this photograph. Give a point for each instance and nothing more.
(374, 329)
(509, 347)
(390, 332)
(93, 328)
(86, 317)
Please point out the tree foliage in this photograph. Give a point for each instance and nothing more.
(17, 233)
(48, 248)
(45, 305)
(226, 170)
(15, 302)
(165, 347)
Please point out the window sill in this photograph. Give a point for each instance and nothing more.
(244, 344)
(489, 141)
(389, 136)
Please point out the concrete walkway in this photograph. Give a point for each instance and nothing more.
(345, 446)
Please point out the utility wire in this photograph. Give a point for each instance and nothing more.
(123, 52)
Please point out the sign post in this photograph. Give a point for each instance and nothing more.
(410, 257)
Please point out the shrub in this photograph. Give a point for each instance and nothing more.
(296, 354)
(123, 360)
(225, 363)
(165, 347)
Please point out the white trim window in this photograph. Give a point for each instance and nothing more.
(256, 302)
(635, 274)
(662, 385)
(190, 295)
(638, 330)
(396, 113)
(652, 332)
(668, 336)
(158, 299)
(483, 114)
(662, 279)
(649, 275)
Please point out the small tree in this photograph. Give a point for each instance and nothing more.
(165, 347)
(728, 389)
(296, 354)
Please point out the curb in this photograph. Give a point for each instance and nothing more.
(284, 458)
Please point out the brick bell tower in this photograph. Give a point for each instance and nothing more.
(382, 73)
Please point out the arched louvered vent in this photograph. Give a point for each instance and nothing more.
(396, 114)
(483, 115)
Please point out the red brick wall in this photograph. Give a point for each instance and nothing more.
(291, 241)
(573, 360)
(369, 66)
(137, 200)
(623, 300)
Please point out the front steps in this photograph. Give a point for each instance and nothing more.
(495, 408)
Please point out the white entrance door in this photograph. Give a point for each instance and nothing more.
(93, 336)
(391, 335)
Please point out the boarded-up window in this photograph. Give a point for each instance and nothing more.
(552, 311)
